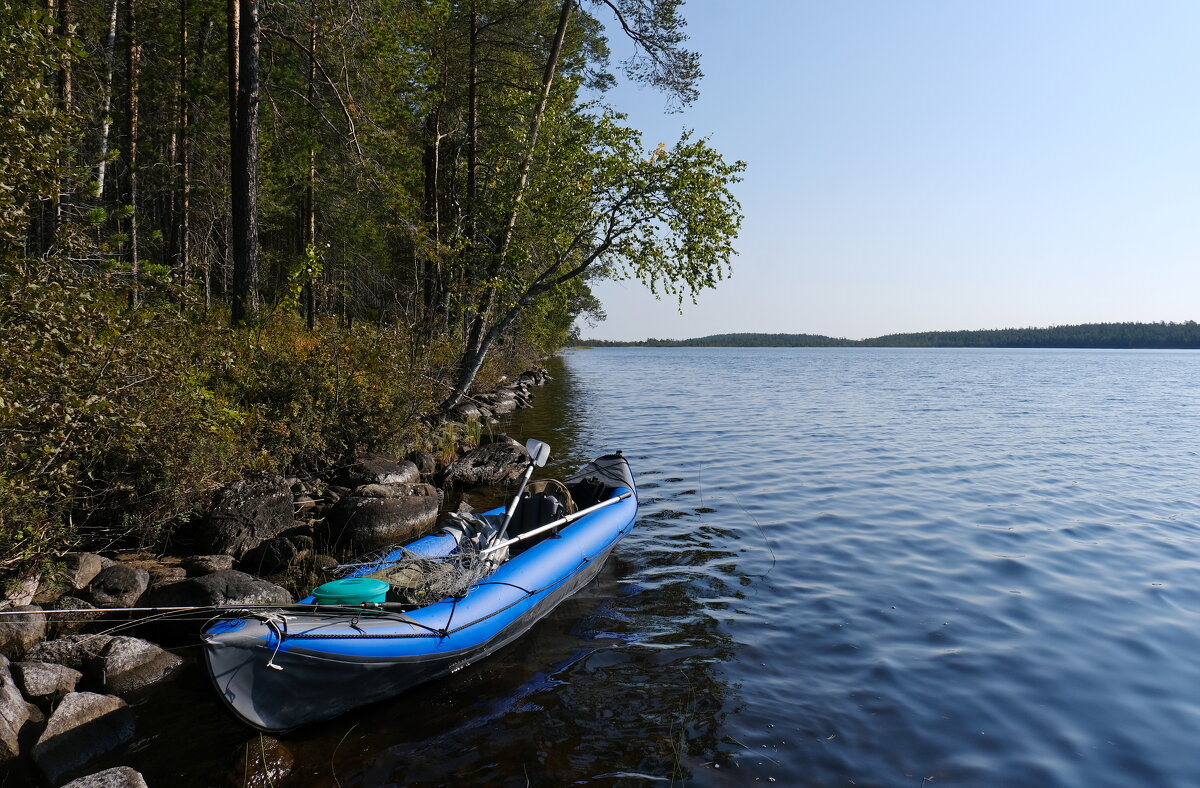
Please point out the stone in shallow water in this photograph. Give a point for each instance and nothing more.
(19, 633)
(377, 514)
(128, 663)
(72, 650)
(14, 713)
(45, 679)
(83, 727)
(118, 585)
(228, 587)
(116, 777)
(262, 762)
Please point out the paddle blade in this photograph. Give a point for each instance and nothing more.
(538, 452)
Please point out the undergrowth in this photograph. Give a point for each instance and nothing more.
(116, 426)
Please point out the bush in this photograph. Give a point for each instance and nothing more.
(116, 426)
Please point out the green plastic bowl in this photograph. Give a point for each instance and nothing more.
(351, 591)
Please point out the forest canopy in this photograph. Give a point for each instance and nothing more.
(265, 233)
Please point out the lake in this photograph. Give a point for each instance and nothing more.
(853, 566)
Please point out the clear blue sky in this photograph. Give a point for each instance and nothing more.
(941, 164)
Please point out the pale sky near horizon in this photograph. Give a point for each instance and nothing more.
(920, 165)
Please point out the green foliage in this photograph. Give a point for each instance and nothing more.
(36, 135)
(441, 219)
(123, 423)
(316, 398)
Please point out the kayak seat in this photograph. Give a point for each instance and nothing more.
(543, 502)
(590, 491)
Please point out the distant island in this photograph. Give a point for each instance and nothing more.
(1121, 336)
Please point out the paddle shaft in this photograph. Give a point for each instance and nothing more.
(556, 524)
(217, 608)
(512, 507)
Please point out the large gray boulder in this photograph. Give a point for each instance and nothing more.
(83, 727)
(466, 411)
(21, 592)
(19, 633)
(116, 777)
(45, 680)
(371, 468)
(63, 624)
(379, 514)
(274, 555)
(80, 568)
(226, 587)
(247, 513)
(425, 461)
(72, 650)
(129, 663)
(14, 713)
(490, 465)
(206, 564)
(118, 585)
(502, 401)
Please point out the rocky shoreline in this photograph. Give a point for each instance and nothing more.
(65, 664)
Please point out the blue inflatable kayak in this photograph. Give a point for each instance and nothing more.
(281, 668)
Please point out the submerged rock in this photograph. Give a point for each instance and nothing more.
(116, 777)
(262, 762)
(247, 513)
(84, 726)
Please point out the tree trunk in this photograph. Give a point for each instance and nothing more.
(472, 223)
(106, 93)
(132, 67)
(310, 191)
(185, 149)
(244, 164)
(65, 22)
(431, 162)
(480, 339)
(484, 308)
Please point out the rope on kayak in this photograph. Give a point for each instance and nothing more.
(447, 631)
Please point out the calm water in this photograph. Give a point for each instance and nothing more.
(853, 567)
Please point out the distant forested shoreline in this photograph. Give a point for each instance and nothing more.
(1130, 336)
